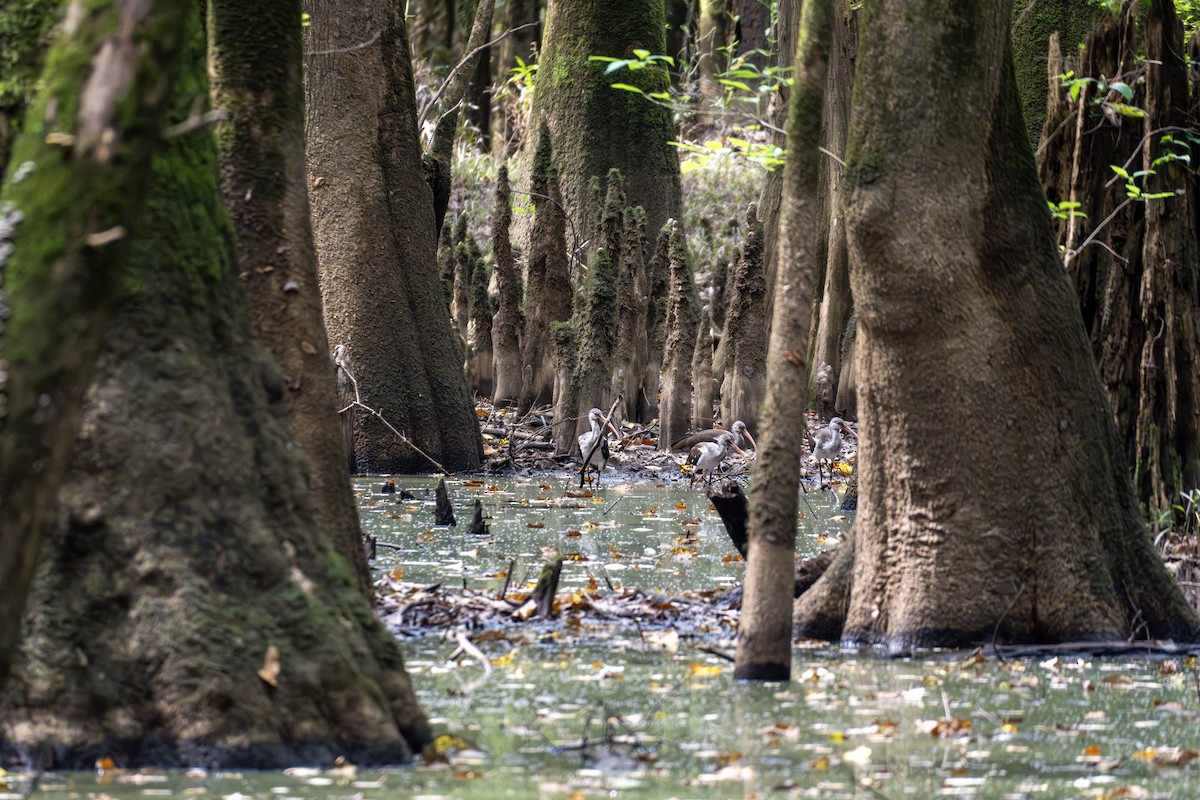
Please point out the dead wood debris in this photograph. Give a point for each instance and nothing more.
(414, 610)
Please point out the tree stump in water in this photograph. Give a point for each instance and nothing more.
(478, 526)
(444, 513)
(547, 587)
(729, 501)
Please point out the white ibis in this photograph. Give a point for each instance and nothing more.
(827, 445)
(741, 437)
(707, 456)
(600, 457)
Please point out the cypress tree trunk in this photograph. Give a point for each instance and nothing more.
(658, 278)
(27, 26)
(188, 610)
(506, 327)
(1033, 23)
(595, 127)
(633, 346)
(596, 327)
(964, 549)
(682, 312)
(548, 294)
(704, 387)
(373, 218)
(1134, 262)
(71, 204)
(255, 58)
(835, 304)
(764, 629)
(479, 328)
(745, 335)
(508, 127)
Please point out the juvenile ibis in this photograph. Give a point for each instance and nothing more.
(827, 445)
(741, 437)
(707, 456)
(600, 457)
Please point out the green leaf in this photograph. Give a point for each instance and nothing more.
(614, 66)
(660, 95)
(1126, 110)
(1123, 88)
(1119, 170)
(641, 53)
(626, 87)
(735, 84)
(599, 58)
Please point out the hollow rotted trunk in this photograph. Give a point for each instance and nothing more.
(745, 335)
(1133, 261)
(69, 208)
(764, 628)
(187, 520)
(373, 220)
(506, 326)
(961, 551)
(254, 53)
(548, 294)
(682, 313)
(596, 127)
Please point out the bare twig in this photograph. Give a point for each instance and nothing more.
(462, 64)
(340, 361)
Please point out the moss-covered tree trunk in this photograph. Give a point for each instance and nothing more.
(188, 611)
(745, 335)
(71, 205)
(548, 294)
(506, 327)
(1033, 23)
(683, 309)
(479, 328)
(597, 323)
(967, 291)
(764, 629)
(373, 219)
(27, 27)
(595, 127)
(255, 63)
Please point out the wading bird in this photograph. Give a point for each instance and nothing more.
(741, 437)
(707, 456)
(827, 445)
(599, 458)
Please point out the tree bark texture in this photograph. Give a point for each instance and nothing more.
(683, 310)
(255, 62)
(595, 127)
(506, 326)
(745, 335)
(955, 541)
(764, 629)
(1134, 262)
(479, 328)
(188, 611)
(508, 125)
(373, 219)
(548, 294)
(73, 201)
(658, 278)
(787, 18)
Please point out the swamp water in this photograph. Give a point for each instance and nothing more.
(604, 710)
